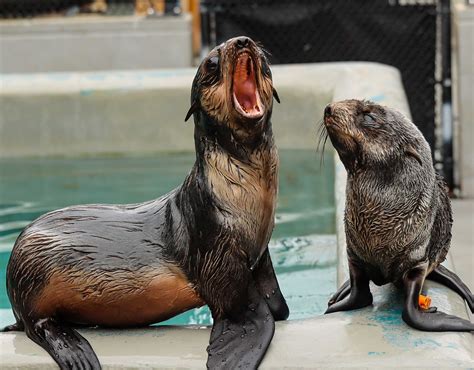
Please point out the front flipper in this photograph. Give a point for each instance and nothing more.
(431, 320)
(449, 279)
(241, 343)
(359, 288)
(267, 285)
(341, 293)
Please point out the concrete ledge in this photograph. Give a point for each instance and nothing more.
(143, 111)
(372, 337)
(91, 43)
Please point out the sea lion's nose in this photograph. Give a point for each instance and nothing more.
(327, 111)
(242, 42)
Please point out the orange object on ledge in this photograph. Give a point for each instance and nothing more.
(424, 302)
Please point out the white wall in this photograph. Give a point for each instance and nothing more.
(95, 43)
(464, 23)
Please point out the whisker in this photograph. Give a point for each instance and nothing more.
(321, 162)
(265, 51)
(323, 136)
(320, 132)
(320, 140)
(325, 141)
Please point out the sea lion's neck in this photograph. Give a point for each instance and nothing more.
(240, 181)
(232, 169)
(226, 194)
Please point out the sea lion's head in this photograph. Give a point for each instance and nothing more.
(232, 90)
(367, 134)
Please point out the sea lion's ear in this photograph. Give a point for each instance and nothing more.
(275, 95)
(194, 107)
(412, 152)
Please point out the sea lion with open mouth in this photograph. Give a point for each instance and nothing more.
(398, 214)
(205, 242)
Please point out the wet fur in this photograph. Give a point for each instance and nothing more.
(398, 215)
(98, 254)
(204, 242)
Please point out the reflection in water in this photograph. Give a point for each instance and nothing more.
(303, 245)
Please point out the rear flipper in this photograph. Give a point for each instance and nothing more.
(431, 320)
(267, 285)
(65, 345)
(449, 279)
(241, 343)
(341, 293)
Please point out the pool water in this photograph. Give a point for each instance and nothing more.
(303, 245)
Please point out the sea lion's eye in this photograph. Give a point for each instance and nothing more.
(212, 64)
(369, 120)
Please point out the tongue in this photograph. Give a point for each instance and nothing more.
(244, 84)
(245, 93)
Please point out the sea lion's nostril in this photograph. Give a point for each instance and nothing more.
(327, 111)
(242, 42)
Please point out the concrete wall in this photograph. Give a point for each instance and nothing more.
(95, 43)
(464, 23)
(143, 111)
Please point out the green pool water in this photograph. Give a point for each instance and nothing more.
(303, 245)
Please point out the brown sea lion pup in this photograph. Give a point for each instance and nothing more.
(205, 242)
(398, 215)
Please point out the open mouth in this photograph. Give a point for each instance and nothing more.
(245, 92)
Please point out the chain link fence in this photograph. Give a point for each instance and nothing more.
(408, 35)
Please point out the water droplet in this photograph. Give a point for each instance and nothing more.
(221, 340)
(267, 296)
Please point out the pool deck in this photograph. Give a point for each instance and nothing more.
(372, 337)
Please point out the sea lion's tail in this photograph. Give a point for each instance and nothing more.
(65, 345)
